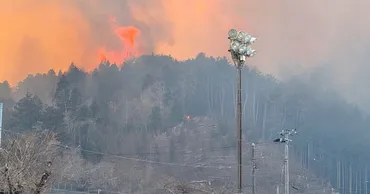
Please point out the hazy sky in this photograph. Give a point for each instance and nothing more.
(294, 36)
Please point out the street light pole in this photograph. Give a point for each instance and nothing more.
(239, 50)
(253, 168)
(284, 138)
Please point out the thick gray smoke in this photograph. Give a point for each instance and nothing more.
(301, 37)
(295, 37)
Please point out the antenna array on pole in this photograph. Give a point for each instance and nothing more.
(284, 138)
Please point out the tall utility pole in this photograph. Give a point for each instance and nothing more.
(284, 138)
(253, 169)
(350, 178)
(338, 175)
(286, 168)
(240, 50)
(366, 180)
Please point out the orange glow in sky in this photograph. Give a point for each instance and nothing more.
(39, 35)
(127, 36)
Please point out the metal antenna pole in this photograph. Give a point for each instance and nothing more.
(286, 164)
(253, 169)
(284, 138)
(239, 127)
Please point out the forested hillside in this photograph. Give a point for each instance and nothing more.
(124, 110)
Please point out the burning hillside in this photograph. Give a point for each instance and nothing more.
(127, 36)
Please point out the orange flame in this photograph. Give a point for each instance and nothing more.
(127, 36)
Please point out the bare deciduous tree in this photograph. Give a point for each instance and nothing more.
(69, 166)
(29, 162)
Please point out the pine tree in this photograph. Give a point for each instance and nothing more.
(75, 101)
(155, 122)
(27, 113)
(52, 119)
(62, 94)
(6, 99)
(5, 91)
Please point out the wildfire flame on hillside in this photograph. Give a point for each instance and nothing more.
(127, 36)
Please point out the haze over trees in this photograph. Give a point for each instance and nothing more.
(154, 116)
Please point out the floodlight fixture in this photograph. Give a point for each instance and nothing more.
(247, 38)
(239, 44)
(233, 34)
(243, 49)
(234, 46)
(250, 51)
(241, 36)
(253, 53)
(252, 40)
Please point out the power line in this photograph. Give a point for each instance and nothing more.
(87, 192)
(155, 162)
(140, 160)
(122, 156)
(154, 153)
(150, 161)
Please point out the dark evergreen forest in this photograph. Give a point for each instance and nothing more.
(115, 109)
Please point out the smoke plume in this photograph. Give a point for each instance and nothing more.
(294, 36)
(42, 34)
